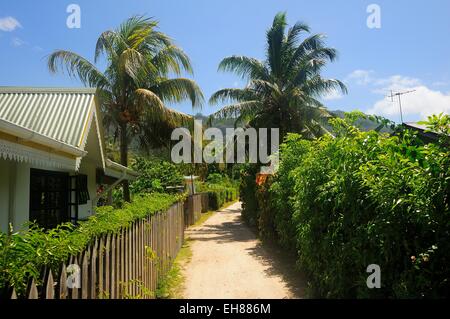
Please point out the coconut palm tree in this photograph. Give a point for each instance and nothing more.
(284, 90)
(135, 86)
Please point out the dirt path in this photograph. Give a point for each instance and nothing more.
(228, 261)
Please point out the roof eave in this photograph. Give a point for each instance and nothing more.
(125, 171)
(29, 135)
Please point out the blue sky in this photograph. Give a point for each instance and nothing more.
(411, 50)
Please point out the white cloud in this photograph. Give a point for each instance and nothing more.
(360, 77)
(18, 42)
(441, 83)
(395, 83)
(423, 101)
(9, 24)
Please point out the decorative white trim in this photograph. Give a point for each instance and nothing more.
(21, 153)
(100, 139)
(89, 119)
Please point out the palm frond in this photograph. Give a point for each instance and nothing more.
(232, 94)
(105, 44)
(179, 89)
(77, 67)
(275, 37)
(155, 110)
(131, 62)
(244, 67)
(294, 33)
(172, 59)
(318, 86)
(238, 109)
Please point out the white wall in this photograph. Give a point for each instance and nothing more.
(4, 195)
(22, 192)
(22, 195)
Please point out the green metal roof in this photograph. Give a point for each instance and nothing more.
(58, 113)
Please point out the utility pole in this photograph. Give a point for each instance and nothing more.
(399, 95)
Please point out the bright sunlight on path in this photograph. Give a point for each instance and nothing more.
(228, 261)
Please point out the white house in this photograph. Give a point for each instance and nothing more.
(52, 156)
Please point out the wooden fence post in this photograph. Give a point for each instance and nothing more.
(85, 275)
(63, 291)
(112, 279)
(74, 294)
(33, 291)
(50, 287)
(94, 270)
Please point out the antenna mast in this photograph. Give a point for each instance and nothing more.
(399, 95)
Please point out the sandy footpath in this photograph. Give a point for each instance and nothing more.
(228, 261)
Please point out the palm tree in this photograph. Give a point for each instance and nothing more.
(284, 90)
(135, 86)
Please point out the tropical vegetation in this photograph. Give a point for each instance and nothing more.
(135, 87)
(284, 90)
(23, 254)
(358, 199)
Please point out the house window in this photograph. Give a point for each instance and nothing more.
(49, 198)
(81, 187)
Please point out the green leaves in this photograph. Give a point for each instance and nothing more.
(135, 85)
(23, 254)
(77, 66)
(360, 198)
(156, 175)
(284, 90)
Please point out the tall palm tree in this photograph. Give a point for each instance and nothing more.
(135, 86)
(284, 90)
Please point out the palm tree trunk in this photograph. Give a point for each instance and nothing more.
(124, 159)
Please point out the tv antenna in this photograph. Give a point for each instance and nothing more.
(399, 95)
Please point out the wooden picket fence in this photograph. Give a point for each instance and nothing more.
(129, 264)
(194, 206)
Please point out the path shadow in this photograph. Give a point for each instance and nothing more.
(276, 260)
(231, 231)
(279, 262)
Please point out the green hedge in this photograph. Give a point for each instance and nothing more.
(24, 254)
(220, 189)
(247, 193)
(364, 198)
(218, 197)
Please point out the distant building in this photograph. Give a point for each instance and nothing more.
(425, 135)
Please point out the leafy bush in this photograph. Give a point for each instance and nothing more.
(156, 175)
(361, 199)
(221, 190)
(216, 178)
(247, 193)
(24, 254)
(282, 190)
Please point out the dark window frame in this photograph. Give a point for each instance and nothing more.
(49, 198)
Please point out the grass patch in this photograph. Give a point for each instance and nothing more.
(171, 287)
(203, 218)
